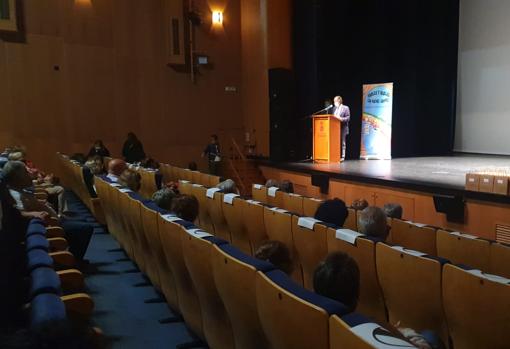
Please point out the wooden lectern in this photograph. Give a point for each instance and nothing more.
(326, 138)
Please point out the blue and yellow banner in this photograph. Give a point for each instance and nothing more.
(376, 121)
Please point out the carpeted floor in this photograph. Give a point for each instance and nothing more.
(120, 308)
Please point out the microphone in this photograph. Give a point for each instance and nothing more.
(324, 109)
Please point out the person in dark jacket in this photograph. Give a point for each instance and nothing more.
(212, 152)
(98, 149)
(132, 151)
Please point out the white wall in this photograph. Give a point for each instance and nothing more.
(483, 105)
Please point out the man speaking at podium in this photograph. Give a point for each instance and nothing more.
(342, 113)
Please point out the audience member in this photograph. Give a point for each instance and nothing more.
(277, 254)
(192, 166)
(286, 186)
(79, 158)
(272, 183)
(372, 222)
(332, 212)
(115, 169)
(130, 179)
(164, 198)
(337, 277)
(393, 210)
(212, 152)
(150, 164)
(19, 182)
(95, 165)
(228, 187)
(185, 207)
(98, 149)
(359, 204)
(132, 151)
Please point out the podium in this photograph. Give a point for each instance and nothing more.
(326, 138)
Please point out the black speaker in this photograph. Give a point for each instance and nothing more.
(282, 100)
(453, 206)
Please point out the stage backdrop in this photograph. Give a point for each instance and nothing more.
(376, 121)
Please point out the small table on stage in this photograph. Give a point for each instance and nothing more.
(326, 138)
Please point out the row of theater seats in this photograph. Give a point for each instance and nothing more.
(227, 297)
(56, 289)
(389, 274)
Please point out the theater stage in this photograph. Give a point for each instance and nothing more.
(435, 175)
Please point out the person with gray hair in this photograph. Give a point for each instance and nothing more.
(228, 187)
(393, 210)
(163, 198)
(372, 222)
(272, 183)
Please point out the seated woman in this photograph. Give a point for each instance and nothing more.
(277, 254)
(228, 187)
(164, 198)
(332, 212)
(130, 179)
(98, 149)
(185, 207)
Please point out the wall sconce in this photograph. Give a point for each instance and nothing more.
(217, 17)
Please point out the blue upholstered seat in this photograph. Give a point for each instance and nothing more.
(36, 228)
(36, 241)
(332, 307)
(44, 280)
(258, 264)
(46, 308)
(37, 259)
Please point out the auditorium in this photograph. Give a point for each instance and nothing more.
(254, 174)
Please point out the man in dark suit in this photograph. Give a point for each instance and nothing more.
(342, 113)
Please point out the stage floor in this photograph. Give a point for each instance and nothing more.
(444, 174)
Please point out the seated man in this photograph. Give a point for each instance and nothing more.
(115, 169)
(164, 198)
(337, 277)
(286, 186)
(277, 254)
(393, 210)
(332, 212)
(185, 207)
(228, 187)
(272, 183)
(19, 182)
(372, 222)
(130, 179)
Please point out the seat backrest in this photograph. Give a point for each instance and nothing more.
(185, 187)
(213, 181)
(362, 250)
(310, 241)
(150, 229)
(234, 274)
(499, 261)
(310, 206)
(278, 225)
(195, 177)
(464, 249)
(131, 238)
(355, 331)
(167, 172)
(187, 175)
(259, 193)
(233, 214)
(143, 248)
(477, 308)
(204, 218)
(148, 185)
(215, 209)
(411, 284)
(197, 254)
(351, 221)
(292, 317)
(204, 179)
(253, 218)
(189, 306)
(414, 236)
(274, 197)
(293, 203)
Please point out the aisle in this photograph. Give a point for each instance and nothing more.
(120, 311)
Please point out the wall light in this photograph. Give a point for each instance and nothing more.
(217, 17)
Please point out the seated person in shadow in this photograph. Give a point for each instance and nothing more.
(272, 183)
(286, 186)
(228, 186)
(332, 212)
(393, 210)
(359, 204)
(185, 207)
(277, 254)
(164, 198)
(130, 179)
(372, 222)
